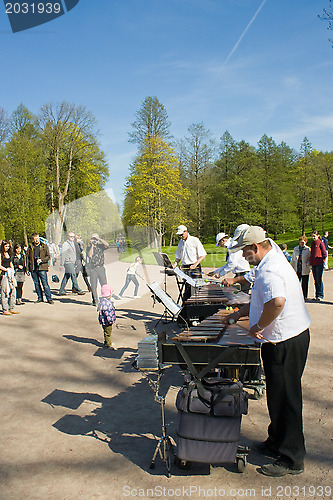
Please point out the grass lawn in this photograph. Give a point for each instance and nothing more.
(216, 256)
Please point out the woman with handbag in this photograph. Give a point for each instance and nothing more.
(300, 261)
(20, 268)
(8, 282)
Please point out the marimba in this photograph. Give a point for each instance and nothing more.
(235, 353)
(208, 299)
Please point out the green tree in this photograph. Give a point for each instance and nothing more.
(4, 125)
(196, 156)
(304, 183)
(151, 121)
(24, 182)
(76, 165)
(233, 193)
(315, 177)
(154, 193)
(272, 180)
(325, 163)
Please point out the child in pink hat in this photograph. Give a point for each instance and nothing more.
(106, 314)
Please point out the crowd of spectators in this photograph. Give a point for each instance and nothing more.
(17, 262)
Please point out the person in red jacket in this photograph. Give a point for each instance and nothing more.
(317, 259)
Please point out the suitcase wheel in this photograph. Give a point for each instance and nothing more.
(258, 393)
(182, 464)
(241, 464)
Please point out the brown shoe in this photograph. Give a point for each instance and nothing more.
(14, 312)
(6, 313)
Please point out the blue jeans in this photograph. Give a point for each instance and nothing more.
(317, 272)
(70, 272)
(40, 278)
(129, 278)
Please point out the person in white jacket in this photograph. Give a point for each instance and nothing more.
(300, 261)
(235, 261)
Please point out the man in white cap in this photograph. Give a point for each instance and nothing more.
(278, 318)
(235, 261)
(190, 252)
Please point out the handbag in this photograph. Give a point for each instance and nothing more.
(215, 396)
(20, 276)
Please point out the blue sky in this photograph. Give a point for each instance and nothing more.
(251, 67)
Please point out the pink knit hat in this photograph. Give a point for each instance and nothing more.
(106, 291)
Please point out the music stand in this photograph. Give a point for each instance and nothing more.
(170, 307)
(163, 260)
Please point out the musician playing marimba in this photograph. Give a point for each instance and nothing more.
(235, 261)
(190, 252)
(279, 319)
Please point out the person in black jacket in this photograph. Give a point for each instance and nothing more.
(20, 268)
(38, 256)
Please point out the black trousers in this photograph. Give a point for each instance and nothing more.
(192, 273)
(304, 279)
(284, 365)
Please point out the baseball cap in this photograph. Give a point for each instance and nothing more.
(181, 229)
(219, 237)
(238, 231)
(106, 290)
(254, 234)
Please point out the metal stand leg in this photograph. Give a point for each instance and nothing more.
(164, 446)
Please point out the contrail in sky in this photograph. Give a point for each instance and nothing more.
(244, 32)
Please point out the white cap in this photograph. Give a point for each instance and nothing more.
(239, 230)
(254, 234)
(220, 237)
(181, 229)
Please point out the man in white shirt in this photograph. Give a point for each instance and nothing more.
(235, 261)
(190, 252)
(278, 318)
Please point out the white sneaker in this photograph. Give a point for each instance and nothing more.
(137, 297)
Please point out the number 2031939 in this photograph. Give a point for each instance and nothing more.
(304, 491)
(33, 8)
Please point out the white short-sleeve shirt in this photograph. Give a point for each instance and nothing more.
(235, 264)
(190, 250)
(274, 277)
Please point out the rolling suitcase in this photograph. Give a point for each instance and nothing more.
(209, 420)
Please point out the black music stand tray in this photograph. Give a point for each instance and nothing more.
(171, 309)
(163, 260)
(165, 448)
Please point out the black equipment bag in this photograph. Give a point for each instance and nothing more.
(213, 396)
(210, 410)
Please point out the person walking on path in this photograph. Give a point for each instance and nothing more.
(38, 256)
(96, 269)
(106, 314)
(317, 258)
(131, 274)
(279, 319)
(68, 260)
(300, 262)
(20, 268)
(8, 282)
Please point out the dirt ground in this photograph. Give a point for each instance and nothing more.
(79, 422)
